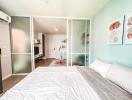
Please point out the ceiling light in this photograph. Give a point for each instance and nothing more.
(46, 1)
(56, 29)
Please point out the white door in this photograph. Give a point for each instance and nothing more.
(53, 45)
(53, 48)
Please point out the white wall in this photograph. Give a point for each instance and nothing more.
(52, 44)
(6, 50)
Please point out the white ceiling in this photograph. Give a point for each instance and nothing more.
(50, 26)
(61, 8)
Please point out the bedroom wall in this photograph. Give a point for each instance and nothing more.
(99, 48)
(5, 49)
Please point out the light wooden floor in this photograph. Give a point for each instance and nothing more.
(11, 81)
(44, 62)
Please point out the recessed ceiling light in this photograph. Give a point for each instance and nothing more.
(46, 1)
(56, 29)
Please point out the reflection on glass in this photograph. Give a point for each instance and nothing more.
(20, 35)
(69, 59)
(21, 63)
(79, 42)
(21, 45)
(78, 59)
(87, 59)
(87, 36)
(78, 36)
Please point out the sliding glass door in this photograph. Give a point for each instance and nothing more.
(21, 45)
(79, 42)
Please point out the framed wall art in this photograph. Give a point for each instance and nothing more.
(128, 29)
(115, 31)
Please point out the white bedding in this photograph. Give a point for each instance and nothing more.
(52, 83)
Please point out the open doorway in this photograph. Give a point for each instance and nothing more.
(50, 42)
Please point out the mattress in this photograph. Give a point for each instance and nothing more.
(64, 83)
(105, 89)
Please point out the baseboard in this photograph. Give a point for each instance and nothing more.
(7, 76)
(21, 74)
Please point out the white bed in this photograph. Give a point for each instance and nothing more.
(56, 83)
(52, 83)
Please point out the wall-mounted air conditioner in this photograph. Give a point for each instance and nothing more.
(5, 17)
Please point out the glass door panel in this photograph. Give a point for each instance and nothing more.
(87, 59)
(78, 36)
(21, 63)
(78, 59)
(87, 41)
(79, 42)
(87, 35)
(21, 35)
(21, 44)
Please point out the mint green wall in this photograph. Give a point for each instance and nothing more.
(100, 49)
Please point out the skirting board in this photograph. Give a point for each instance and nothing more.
(7, 76)
(21, 74)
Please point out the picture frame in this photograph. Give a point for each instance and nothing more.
(128, 29)
(115, 31)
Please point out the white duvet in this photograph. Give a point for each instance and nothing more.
(52, 83)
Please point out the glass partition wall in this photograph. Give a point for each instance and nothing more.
(21, 45)
(78, 42)
(22, 49)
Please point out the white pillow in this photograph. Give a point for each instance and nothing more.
(100, 67)
(121, 75)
